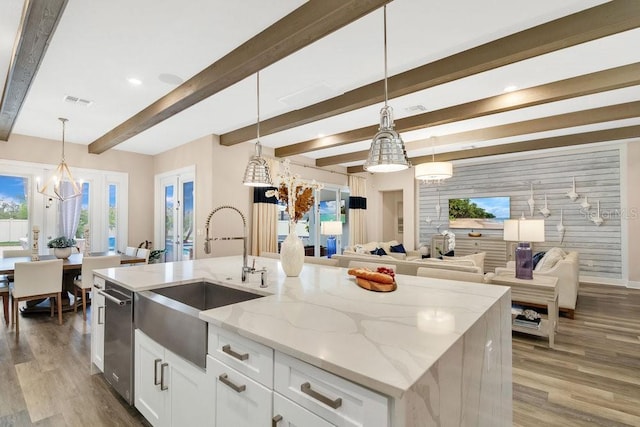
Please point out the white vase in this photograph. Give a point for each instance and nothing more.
(62, 253)
(292, 253)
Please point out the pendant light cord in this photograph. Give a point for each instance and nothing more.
(64, 122)
(385, 56)
(258, 105)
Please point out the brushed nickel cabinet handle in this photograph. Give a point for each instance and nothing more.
(275, 420)
(101, 310)
(306, 389)
(163, 386)
(237, 388)
(227, 349)
(155, 371)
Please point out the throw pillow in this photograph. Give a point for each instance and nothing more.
(359, 249)
(398, 248)
(378, 251)
(537, 257)
(550, 259)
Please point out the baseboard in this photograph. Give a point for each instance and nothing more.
(634, 285)
(603, 281)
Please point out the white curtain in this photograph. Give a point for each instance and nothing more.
(357, 210)
(69, 211)
(264, 218)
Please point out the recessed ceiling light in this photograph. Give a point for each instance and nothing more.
(321, 135)
(134, 81)
(511, 88)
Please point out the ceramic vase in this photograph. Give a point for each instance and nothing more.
(62, 253)
(292, 253)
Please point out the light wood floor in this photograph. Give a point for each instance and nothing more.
(592, 378)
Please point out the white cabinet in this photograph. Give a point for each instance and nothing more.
(97, 324)
(169, 391)
(239, 400)
(254, 388)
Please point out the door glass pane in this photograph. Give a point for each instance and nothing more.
(113, 217)
(169, 232)
(14, 214)
(187, 220)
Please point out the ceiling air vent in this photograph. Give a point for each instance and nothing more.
(77, 101)
(416, 108)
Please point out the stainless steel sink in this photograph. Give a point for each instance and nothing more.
(169, 315)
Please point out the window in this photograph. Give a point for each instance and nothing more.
(14, 212)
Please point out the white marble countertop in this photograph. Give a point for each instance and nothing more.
(384, 341)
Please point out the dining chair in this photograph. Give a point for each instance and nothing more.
(130, 251)
(4, 294)
(37, 280)
(144, 253)
(13, 253)
(84, 283)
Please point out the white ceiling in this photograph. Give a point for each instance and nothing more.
(97, 46)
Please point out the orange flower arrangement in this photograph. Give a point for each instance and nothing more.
(301, 199)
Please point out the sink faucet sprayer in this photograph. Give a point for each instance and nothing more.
(245, 267)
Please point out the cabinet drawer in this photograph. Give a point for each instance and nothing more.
(239, 401)
(248, 357)
(335, 399)
(293, 415)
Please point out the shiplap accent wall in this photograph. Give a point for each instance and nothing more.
(597, 175)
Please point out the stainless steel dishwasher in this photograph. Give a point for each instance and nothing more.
(118, 339)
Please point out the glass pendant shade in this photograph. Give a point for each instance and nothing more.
(387, 152)
(434, 171)
(257, 172)
(61, 185)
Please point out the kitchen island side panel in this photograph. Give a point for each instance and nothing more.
(471, 384)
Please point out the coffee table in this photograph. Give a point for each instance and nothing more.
(542, 290)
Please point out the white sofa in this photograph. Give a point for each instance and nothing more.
(366, 248)
(564, 266)
(470, 263)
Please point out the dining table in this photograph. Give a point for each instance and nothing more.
(71, 267)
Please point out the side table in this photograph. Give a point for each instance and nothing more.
(539, 290)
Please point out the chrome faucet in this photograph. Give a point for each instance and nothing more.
(245, 267)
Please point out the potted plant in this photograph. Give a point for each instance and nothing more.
(62, 246)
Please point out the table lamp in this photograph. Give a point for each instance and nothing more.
(524, 231)
(332, 229)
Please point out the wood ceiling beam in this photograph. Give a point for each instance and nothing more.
(39, 22)
(601, 81)
(305, 25)
(597, 22)
(561, 121)
(605, 135)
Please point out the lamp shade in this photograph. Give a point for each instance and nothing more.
(331, 228)
(524, 230)
(257, 173)
(434, 171)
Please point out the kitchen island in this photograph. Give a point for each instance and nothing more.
(437, 351)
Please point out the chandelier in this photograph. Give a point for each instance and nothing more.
(61, 185)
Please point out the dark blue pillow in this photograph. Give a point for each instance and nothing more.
(378, 251)
(537, 257)
(398, 248)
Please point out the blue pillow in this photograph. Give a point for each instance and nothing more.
(378, 251)
(398, 248)
(537, 257)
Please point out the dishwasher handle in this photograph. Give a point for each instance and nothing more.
(114, 299)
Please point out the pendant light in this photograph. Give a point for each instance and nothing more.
(257, 172)
(434, 171)
(61, 185)
(387, 152)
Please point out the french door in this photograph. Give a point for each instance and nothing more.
(176, 195)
